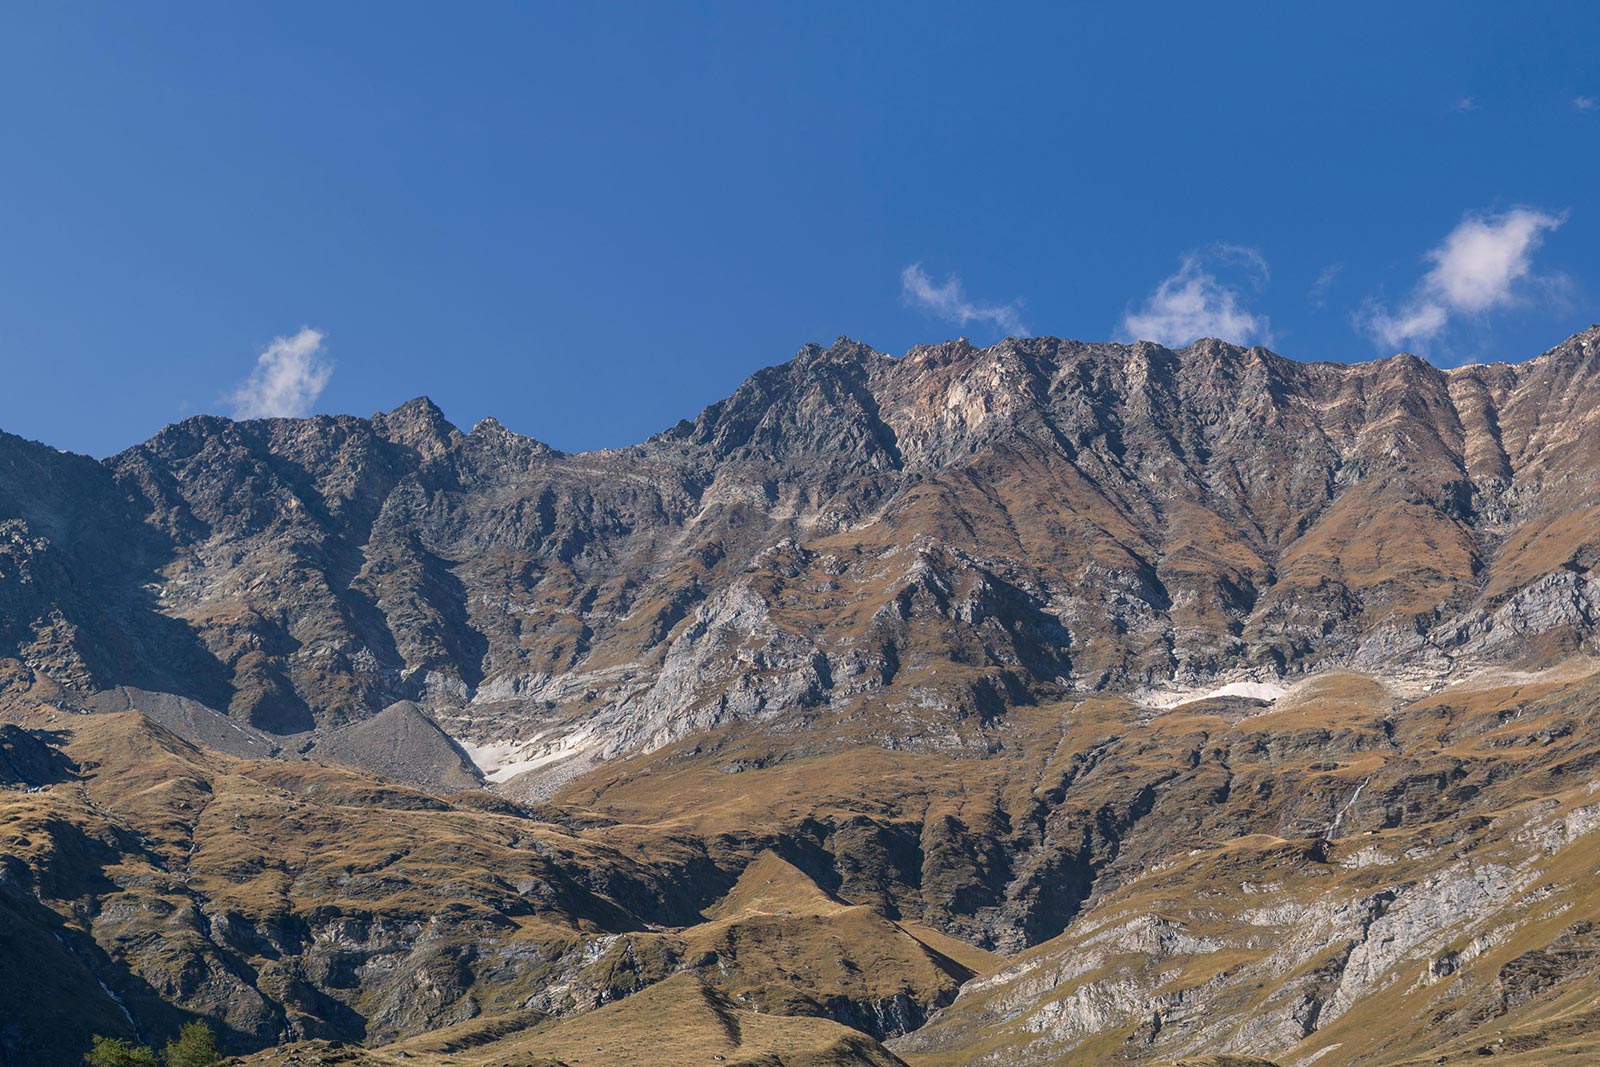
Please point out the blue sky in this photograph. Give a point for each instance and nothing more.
(592, 220)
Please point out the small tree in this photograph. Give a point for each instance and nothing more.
(195, 1046)
(115, 1052)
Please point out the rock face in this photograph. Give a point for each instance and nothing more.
(28, 762)
(957, 531)
(1165, 703)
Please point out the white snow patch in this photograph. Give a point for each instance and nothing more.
(1251, 690)
(501, 761)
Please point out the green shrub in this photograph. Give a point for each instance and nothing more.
(195, 1046)
(115, 1052)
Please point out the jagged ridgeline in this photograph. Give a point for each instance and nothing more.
(1043, 704)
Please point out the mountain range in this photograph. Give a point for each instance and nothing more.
(1049, 703)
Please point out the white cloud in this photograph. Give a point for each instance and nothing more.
(1478, 267)
(1467, 103)
(1194, 302)
(949, 302)
(1586, 103)
(287, 379)
(1318, 293)
(1416, 322)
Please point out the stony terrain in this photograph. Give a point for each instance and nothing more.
(1050, 703)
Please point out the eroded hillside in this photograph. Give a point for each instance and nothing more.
(1048, 703)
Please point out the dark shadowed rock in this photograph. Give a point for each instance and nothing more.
(28, 761)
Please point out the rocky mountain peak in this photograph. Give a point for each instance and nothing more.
(843, 350)
(1200, 487)
(1246, 705)
(417, 424)
(1578, 354)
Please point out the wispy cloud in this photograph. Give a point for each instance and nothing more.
(1482, 264)
(1196, 301)
(1465, 104)
(1586, 103)
(287, 379)
(950, 302)
(1318, 293)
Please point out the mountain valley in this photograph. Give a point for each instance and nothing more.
(1044, 704)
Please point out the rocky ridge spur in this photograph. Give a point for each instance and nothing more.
(1158, 702)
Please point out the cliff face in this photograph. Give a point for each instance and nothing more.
(1043, 517)
(1197, 686)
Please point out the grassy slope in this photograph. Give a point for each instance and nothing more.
(1240, 793)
